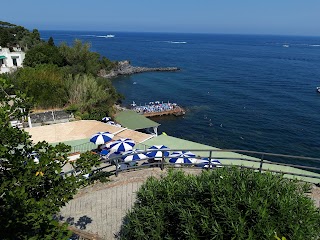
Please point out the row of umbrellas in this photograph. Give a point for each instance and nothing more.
(125, 146)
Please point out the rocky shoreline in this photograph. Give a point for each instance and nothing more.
(125, 68)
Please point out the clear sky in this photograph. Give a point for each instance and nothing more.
(285, 17)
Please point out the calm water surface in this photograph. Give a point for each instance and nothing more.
(240, 91)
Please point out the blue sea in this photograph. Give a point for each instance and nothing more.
(251, 92)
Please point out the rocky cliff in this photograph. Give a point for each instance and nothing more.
(125, 68)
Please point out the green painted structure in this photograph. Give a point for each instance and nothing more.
(134, 121)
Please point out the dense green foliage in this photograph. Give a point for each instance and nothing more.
(75, 59)
(227, 203)
(49, 79)
(32, 193)
(51, 74)
(43, 53)
(13, 35)
(79, 58)
(90, 97)
(87, 96)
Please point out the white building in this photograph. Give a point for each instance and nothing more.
(10, 61)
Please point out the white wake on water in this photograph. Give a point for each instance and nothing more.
(174, 42)
(106, 36)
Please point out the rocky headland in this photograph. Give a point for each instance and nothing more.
(125, 68)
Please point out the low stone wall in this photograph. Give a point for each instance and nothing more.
(50, 117)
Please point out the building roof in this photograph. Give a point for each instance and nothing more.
(134, 121)
(70, 131)
(79, 132)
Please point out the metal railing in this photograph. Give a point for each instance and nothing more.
(306, 168)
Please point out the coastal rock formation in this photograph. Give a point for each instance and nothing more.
(125, 68)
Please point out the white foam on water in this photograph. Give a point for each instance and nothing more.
(174, 42)
(106, 36)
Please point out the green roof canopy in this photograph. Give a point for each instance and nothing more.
(2, 57)
(134, 121)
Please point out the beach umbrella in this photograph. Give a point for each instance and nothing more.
(204, 163)
(104, 152)
(105, 119)
(35, 156)
(122, 145)
(135, 155)
(182, 157)
(154, 152)
(101, 138)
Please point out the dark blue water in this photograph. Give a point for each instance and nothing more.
(240, 91)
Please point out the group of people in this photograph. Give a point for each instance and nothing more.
(155, 107)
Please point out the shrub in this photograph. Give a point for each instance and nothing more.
(227, 203)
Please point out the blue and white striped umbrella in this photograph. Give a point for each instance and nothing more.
(122, 145)
(104, 152)
(105, 119)
(156, 154)
(135, 155)
(101, 138)
(204, 163)
(182, 157)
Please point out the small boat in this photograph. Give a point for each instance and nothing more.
(110, 36)
(285, 45)
(318, 89)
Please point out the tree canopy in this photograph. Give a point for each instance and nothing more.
(32, 192)
(12, 35)
(44, 53)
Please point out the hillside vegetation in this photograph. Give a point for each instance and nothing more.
(12, 35)
(61, 76)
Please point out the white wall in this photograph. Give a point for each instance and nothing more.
(8, 61)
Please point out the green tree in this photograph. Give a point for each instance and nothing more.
(5, 37)
(31, 192)
(92, 97)
(29, 40)
(226, 203)
(12, 35)
(35, 35)
(43, 53)
(44, 84)
(50, 41)
(80, 59)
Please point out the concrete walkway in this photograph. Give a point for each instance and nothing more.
(100, 208)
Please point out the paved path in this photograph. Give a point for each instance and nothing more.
(100, 208)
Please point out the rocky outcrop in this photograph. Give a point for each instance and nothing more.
(125, 68)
